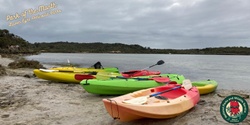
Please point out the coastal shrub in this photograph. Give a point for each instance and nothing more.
(2, 70)
(23, 63)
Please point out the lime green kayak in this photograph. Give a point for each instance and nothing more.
(205, 86)
(119, 86)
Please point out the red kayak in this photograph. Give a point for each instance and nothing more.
(134, 73)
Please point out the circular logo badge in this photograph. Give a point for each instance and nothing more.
(234, 109)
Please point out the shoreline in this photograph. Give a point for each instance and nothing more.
(29, 101)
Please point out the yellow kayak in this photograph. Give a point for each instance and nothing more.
(56, 76)
(70, 74)
(205, 86)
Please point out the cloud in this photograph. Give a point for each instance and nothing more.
(156, 24)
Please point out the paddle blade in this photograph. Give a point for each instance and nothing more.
(187, 84)
(106, 75)
(137, 101)
(161, 79)
(48, 70)
(81, 77)
(160, 62)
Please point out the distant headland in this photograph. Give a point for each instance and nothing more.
(13, 44)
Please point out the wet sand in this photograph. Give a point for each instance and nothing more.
(27, 100)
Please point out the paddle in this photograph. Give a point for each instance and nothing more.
(52, 70)
(141, 100)
(81, 77)
(157, 79)
(106, 75)
(160, 62)
(49, 70)
(114, 76)
(110, 75)
(68, 71)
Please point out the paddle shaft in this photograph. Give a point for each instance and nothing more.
(149, 67)
(68, 71)
(143, 99)
(158, 93)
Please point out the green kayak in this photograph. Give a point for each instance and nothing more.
(119, 86)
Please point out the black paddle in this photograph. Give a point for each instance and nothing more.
(160, 62)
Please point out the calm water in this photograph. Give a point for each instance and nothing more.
(231, 72)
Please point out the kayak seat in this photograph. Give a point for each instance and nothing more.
(98, 65)
(171, 94)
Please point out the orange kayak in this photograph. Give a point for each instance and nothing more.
(161, 102)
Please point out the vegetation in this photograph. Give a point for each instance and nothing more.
(22, 63)
(73, 47)
(211, 51)
(13, 44)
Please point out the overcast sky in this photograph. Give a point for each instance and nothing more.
(163, 24)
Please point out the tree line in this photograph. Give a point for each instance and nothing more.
(12, 44)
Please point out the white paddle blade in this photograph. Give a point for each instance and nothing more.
(187, 84)
(103, 75)
(48, 70)
(106, 75)
(137, 101)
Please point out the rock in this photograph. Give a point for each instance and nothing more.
(202, 102)
(27, 76)
(5, 115)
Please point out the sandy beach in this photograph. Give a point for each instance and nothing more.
(27, 100)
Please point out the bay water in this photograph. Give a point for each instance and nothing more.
(230, 71)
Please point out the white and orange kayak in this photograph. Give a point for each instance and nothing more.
(161, 102)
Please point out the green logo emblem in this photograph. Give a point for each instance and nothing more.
(234, 109)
